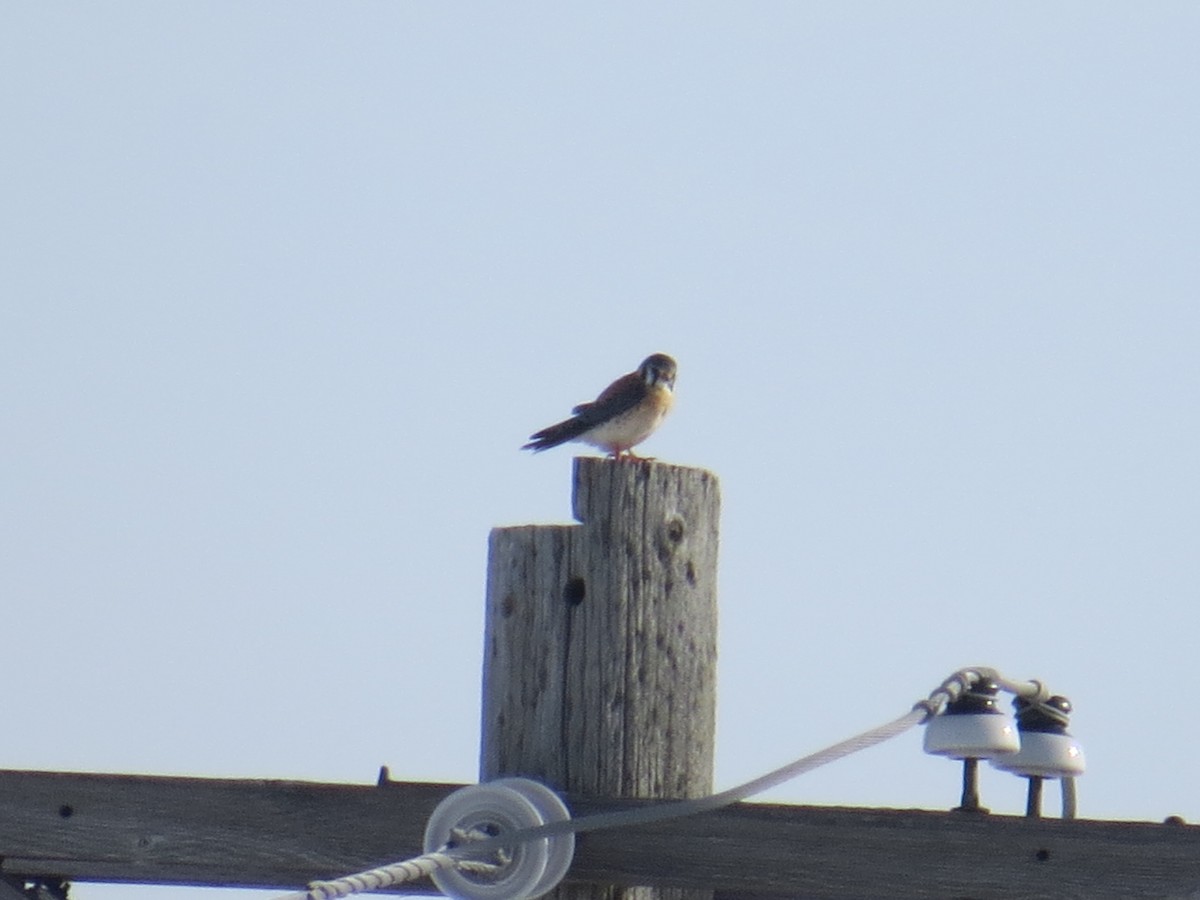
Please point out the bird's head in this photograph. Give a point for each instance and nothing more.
(658, 369)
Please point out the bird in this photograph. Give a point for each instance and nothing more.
(625, 414)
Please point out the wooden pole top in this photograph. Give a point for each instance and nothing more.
(600, 646)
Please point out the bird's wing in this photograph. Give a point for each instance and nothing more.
(621, 396)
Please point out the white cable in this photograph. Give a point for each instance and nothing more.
(679, 808)
(376, 879)
(958, 683)
(409, 870)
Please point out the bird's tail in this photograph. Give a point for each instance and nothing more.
(564, 431)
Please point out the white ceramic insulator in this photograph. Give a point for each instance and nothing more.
(971, 736)
(495, 808)
(1045, 755)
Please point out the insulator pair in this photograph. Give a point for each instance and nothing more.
(1036, 746)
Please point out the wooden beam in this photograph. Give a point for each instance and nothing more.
(282, 834)
(759, 851)
(241, 833)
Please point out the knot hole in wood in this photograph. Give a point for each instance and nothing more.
(574, 591)
(675, 528)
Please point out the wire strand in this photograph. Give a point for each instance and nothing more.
(377, 879)
(676, 809)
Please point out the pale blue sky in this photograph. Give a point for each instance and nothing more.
(286, 285)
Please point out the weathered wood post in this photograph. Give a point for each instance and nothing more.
(599, 671)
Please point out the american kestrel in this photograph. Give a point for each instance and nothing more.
(624, 415)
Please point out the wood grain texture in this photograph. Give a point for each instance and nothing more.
(245, 833)
(757, 851)
(600, 641)
(283, 834)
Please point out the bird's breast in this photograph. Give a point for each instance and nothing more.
(634, 425)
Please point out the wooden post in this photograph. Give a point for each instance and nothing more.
(600, 642)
